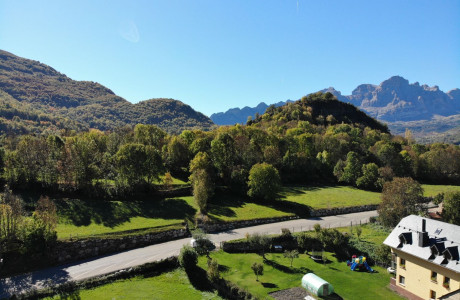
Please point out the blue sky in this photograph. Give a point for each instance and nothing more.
(215, 55)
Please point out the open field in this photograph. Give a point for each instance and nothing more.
(88, 217)
(233, 208)
(170, 285)
(329, 196)
(84, 217)
(278, 275)
(432, 190)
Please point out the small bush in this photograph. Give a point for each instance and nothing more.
(188, 257)
(213, 271)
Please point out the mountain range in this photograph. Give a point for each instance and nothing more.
(36, 97)
(431, 114)
(395, 99)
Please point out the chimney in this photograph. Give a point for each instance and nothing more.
(423, 239)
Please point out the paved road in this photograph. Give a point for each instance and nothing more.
(103, 265)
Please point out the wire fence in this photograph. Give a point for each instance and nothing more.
(310, 227)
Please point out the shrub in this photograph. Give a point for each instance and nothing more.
(213, 271)
(188, 257)
(258, 269)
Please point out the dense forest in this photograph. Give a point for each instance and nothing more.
(45, 100)
(317, 139)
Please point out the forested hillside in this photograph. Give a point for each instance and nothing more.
(37, 89)
(317, 139)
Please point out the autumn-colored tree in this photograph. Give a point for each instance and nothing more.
(400, 197)
(167, 181)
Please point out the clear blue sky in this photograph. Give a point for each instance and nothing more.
(214, 55)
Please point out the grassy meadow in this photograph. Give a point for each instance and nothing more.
(329, 196)
(432, 190)
(88, 217)
(169, 285)
(278, 275)
(85, 217)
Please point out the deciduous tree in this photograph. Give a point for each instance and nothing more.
(451, 208)
(264, 181)
(400, 197)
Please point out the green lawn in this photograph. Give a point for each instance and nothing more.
(432, 190)
(170, 285)
(234, 208)
(84, 217)
(370, 233)
(329, 196)
(278, 275)
(80, 217)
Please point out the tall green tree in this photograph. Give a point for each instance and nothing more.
(451, 208)
(264, 181)
(150, 135)
(223, 155)
(203, 185)
(369, 179)
(137, 164)
(352, 169)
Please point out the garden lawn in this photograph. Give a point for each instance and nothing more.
(370, 233)
(82, 218)
(432, 190)
(329, 196)
(170, 285)
(278, 275)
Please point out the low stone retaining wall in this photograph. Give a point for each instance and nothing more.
(66, 251)
(341, 210)
(224, 226)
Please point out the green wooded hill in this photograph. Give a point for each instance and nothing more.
(40, 98)
(319, 109)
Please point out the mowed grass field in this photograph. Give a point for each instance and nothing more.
(278, 275)
(82, 218)
(430, 190)
(329, 196)
(170, 285)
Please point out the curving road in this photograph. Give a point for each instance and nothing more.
(107, 264)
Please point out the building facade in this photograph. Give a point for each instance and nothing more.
(425, 255)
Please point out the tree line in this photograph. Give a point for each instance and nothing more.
(287, 150)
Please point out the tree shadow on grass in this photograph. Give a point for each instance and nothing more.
(332, 297)
(223, 268)
(222, 204)
(269, 285)
(82, 212)
(295, 208)
(199, 279)
(285, 269)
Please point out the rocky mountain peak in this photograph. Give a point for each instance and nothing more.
(394, 82)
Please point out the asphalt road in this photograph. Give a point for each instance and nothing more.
(107, 264)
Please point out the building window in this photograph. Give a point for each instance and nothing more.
(446, 282)
(394, 258)
(432, 295)
(434, 276)
(402, 280)
(402, 263)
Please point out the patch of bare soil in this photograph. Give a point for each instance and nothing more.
(296, 293)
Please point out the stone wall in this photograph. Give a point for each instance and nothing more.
(66, 251)
(341, 210)
(224, 226)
